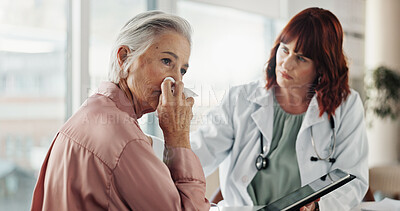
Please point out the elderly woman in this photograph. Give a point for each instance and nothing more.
(101, 159)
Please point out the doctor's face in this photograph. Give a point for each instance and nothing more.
(292, 68)
(167, 56)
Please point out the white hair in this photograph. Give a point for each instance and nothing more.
(138, 35)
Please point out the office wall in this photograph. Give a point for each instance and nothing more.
(383, 48)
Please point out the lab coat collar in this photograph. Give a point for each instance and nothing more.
(118, 96)
(265, 99)
(312, 115)
(260, 95)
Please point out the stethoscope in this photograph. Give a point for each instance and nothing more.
(262, 162)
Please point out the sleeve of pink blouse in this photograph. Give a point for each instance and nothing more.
(146, 183)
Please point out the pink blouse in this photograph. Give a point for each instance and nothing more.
(101, 160)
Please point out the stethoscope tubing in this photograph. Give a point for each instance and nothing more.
(261, 158)
(331, 148)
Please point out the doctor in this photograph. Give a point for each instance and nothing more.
(270, 137)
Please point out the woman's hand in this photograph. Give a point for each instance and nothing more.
(313, 206)
(174, 114)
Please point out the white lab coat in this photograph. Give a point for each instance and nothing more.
(231, 141)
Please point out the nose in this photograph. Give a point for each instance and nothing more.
(289, 62)
(179, 74)
(176, 74)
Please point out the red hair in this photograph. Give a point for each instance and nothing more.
(319, 37)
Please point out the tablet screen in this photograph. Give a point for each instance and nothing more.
(311, 192)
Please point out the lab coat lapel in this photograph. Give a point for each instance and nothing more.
(263, 110)
(312, 115)
(304, 148)
(264, 98)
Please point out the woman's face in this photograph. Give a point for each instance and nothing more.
(167, 56)
(293, 70)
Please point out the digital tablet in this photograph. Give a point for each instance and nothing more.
(311, 192)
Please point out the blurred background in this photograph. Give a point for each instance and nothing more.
(54, 54)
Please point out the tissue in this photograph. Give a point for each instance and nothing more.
(188, 92)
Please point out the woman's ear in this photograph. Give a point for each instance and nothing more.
(122, 54)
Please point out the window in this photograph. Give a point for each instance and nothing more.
(33, 81)
(230, 47)
(106, 19)
(32, 92)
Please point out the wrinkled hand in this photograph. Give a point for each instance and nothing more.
(174, 114)
(310, 207)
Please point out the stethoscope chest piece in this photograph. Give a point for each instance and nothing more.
(262, 162)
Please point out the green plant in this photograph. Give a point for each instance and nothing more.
(383, 93)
